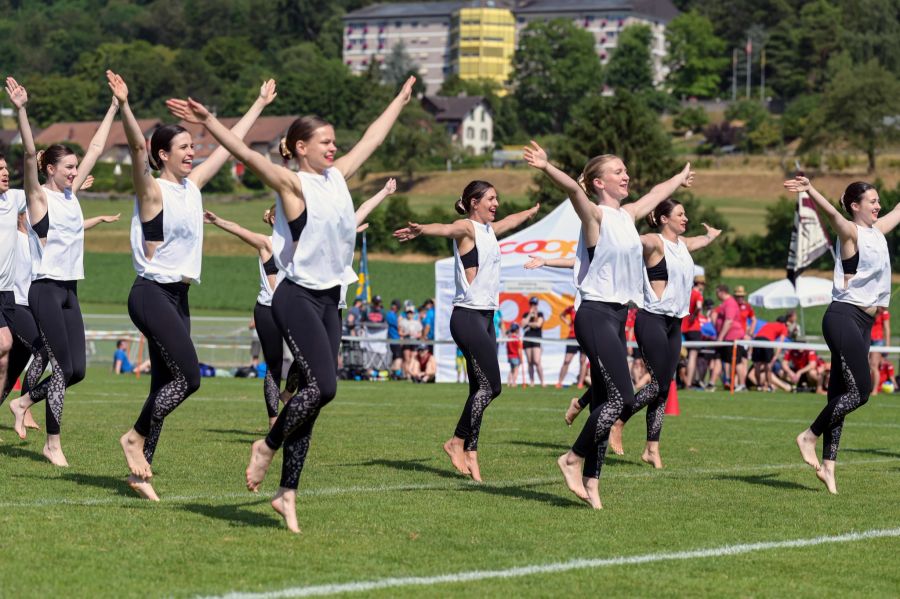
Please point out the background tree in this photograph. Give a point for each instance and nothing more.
(696, 56)
(399, 66)
(505, 110)
(554, 67)
(630, 67)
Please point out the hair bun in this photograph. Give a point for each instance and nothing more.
(284, 150)
(460, 207)
(40, 160)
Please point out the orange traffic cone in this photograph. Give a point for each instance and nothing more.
(672, 401)
(18, 385)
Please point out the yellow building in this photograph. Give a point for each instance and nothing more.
(483, 41)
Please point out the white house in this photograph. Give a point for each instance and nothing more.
(468, 120)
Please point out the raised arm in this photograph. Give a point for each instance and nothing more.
(34, 193)
(456, 230)
(701, 241)
(587, 211)
(275, 176)
(372, 203)
(209, 167)
(95, 148)
(90, 223)
(538, 262)
(350, 162)
(258, 241)
(514, 220)
(889, 221)
(844, 227)
(146, 188)
(660, 192)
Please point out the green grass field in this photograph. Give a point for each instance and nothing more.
(378, 501)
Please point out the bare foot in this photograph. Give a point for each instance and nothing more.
(53, 451)
(471, 458)
(573, 411)
(260, 457)
(806, 441)
(142, 487)
(825, 473)
(29, 421)
(651, 454)
(285, 503)
(454, 448)
(570, 465)
(592, 486)
(615, 438)
(18, 410)
(133, 445)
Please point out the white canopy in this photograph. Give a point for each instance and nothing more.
(810, 291)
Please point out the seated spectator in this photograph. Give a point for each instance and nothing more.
(355, 316)
(121, 363)
(804, 367)
(765, 357)
(375, 313)
(424, 366)
(410, 329)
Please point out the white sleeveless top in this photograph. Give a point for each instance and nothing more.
(483, 293)
(265, 290)
(62, 257)
(676, 297)
(871, 285)
(616, 272)
(180, 254)
(323, 256)
(12, 203)
(25, 252)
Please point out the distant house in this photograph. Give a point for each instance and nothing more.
(264, 137)
(468, 120)
(81, 133)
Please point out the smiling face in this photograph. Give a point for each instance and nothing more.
(865, 212)
(485, 209)
(179, 159)
(62, 174)
(319, 151)
(613, 180)
(677, 220)
(4, 176)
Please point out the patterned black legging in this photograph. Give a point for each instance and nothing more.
(161, 312)
(273, 353)
(473, 332)
(848, 333)
(601, 333)
(659, 338)
(27, 342)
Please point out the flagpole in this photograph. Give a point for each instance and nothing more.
(762, 74)
(734, 61)
(749, 66)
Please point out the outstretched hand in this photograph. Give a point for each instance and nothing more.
(117, 86)
(188, 110)
(535, 262)
(209, 217)
(109, 218)
(711, 232)
(267, 92)
(17, 94)
(535, 156)
(534, 210)
(88, 183)
(406, 91)
(687, 175)
(798, 184)
(362, 227)
(408, 233)
(390, 187)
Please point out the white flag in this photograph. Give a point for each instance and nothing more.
(809, 240)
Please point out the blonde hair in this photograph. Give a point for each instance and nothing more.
(592, 170)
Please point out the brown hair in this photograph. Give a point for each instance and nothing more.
(161, 141)
(854, 193)
(52, 155)
(475, 190)
(592, 170)
(300, 130)
(664, 208)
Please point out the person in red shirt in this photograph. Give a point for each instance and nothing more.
(690, 328)
(730, 327)
(881, 334)
(765, 357)
(748, 316)
(804, 365)
(572, 348)
(514, 354)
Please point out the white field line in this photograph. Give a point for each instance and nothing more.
(462, 484)
(555, 568)
(850, 422)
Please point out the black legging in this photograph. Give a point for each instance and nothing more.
(54, 305)
(27, 342)
(474, 334)
(601, 333)
(659, 338)
(310, 323)
(161, 312)
(273, 353)
(848, 333)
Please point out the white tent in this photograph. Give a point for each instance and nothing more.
(809, 291)
(554, 236)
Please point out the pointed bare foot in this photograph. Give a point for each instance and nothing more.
(30, 422)
(285, 503)
(18, 411)
(142, 487)
(53, 452)
(260, 458)
(592, 487)
(615, 438)
(651, 455)
(454, 448)
(570, 465)
(806, 441)
(471, 458)
(825, 473)
(133, 446)
(573, 411)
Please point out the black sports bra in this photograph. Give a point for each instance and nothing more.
(42, 227)
(153, 228)
(851, 264)
(658, 272)
(470, 259)
(590, 252)
(296, 226)
(269, 266)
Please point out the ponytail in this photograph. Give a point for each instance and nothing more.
(663, 209)
(475, 190)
